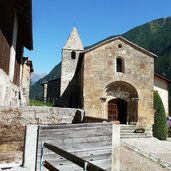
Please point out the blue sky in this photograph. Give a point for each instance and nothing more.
(94, 19)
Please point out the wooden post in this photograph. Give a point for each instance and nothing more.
(115, 147)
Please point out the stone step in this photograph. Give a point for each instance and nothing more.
(135, 135)
(128, 126)
(127, 131)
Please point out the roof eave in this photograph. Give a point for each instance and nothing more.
(162, 77)
(24, 9)
(126, 41)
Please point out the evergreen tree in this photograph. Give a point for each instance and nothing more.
(160, 129)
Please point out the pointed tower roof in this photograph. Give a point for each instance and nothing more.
(73, 41)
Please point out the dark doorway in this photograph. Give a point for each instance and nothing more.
(117, 110)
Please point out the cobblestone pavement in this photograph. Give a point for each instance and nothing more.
(151, 150)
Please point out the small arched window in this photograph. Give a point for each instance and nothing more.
(73, 54)
(119, 64)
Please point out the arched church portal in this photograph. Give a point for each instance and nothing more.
(122, 102)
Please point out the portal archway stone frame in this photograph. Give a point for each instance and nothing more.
(125, 91)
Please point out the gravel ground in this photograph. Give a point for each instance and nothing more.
(161, 149)
(158, 151)
(133, 161)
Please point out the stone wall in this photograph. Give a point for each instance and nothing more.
(68, 68)
(14, 120)
(161, 86)
(25, 82)
(9, 93)
(12, 95)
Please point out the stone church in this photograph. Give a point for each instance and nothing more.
(113, 79)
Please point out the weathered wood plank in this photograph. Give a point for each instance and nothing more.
(78, 161)
(83, 145)
(76, 132)
(66, 162)
(60, 160)
(104, 164)
(81, 139)
(80, 153)
(64, 126)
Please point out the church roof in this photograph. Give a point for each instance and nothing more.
(73, 42)
(125, 41)
(163, 78)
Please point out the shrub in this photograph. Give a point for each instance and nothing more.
(160, 129)
(39, 103)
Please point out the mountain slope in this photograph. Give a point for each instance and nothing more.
(36, 77)
(155, 37)
(36, 90)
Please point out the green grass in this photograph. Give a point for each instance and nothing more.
(39, 103)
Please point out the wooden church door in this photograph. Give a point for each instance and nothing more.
(112, 111)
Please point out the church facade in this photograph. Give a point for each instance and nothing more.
(118, 78)
(113, 79)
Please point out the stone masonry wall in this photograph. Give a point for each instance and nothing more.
(9, 93)
(161, 86)
(68, 68)
(25, 83)
(14, 120)
(12, 95)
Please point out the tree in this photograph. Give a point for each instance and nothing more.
(160, 129)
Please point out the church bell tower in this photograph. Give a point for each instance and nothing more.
(70, 54)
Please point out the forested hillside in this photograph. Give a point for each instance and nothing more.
(36, 90)
(155, 37)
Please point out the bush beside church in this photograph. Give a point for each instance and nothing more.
(160, 129)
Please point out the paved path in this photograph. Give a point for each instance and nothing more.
(133, 161)
(151, 148)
